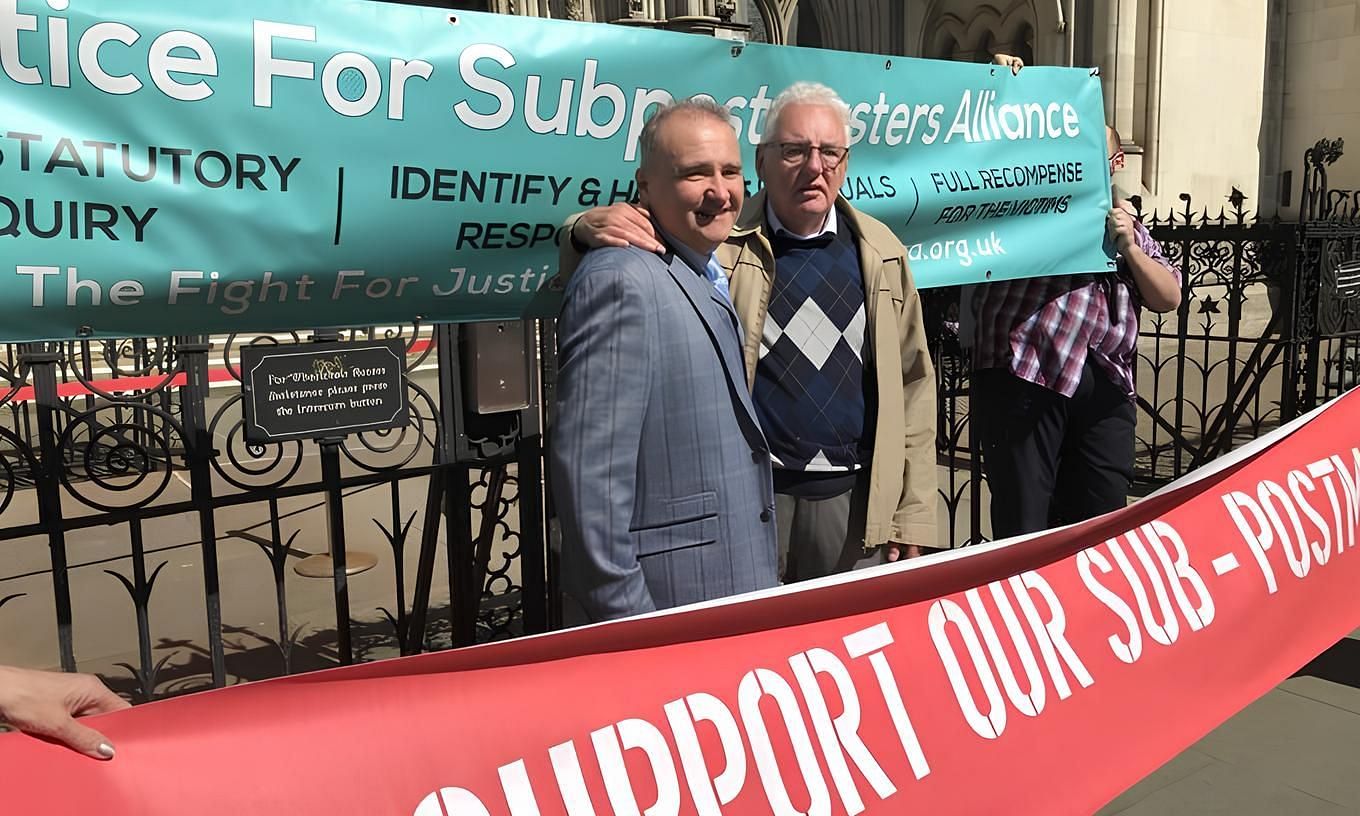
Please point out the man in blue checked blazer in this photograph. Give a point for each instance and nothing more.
(660, 472)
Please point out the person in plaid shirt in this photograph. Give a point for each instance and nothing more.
(1053, 392)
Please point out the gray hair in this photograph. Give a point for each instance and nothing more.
(805, 93)
(698, 106)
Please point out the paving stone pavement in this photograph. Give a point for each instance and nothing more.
(1294, 752)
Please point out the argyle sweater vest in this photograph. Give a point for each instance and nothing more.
(812, 392)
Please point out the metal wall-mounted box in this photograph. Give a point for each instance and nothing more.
(499, 363)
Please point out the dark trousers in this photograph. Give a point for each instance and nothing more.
(1051, 459)
(819, 537)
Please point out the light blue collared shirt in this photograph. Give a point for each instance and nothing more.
(706, 266)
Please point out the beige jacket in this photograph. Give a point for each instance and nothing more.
(902, 480)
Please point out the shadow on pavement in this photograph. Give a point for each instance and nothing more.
(1339, 664)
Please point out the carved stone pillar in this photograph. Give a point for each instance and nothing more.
(1118, 54)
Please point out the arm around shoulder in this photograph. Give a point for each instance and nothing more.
(617, 225)
(569, 250)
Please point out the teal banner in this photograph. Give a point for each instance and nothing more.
(187, 168)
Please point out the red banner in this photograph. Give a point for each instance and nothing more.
(1042, 675)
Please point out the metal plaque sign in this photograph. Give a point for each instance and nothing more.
(316, 390)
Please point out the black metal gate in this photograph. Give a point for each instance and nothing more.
(123, 463)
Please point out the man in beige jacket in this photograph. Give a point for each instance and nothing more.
(834, 345)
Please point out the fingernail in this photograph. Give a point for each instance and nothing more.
(105, 750)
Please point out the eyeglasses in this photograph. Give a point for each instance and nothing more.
(799, 152)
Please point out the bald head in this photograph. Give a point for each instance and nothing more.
(689, 176)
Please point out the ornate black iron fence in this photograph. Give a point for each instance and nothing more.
(1328, 300)
(1218, 370)
(139, 528)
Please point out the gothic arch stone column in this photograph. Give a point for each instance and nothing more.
(1050, 30)
(968, 25)
(832, 36)
(778, 15)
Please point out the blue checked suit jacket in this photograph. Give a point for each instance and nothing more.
(660, 472)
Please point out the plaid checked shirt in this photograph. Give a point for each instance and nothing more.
(1043, 329)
